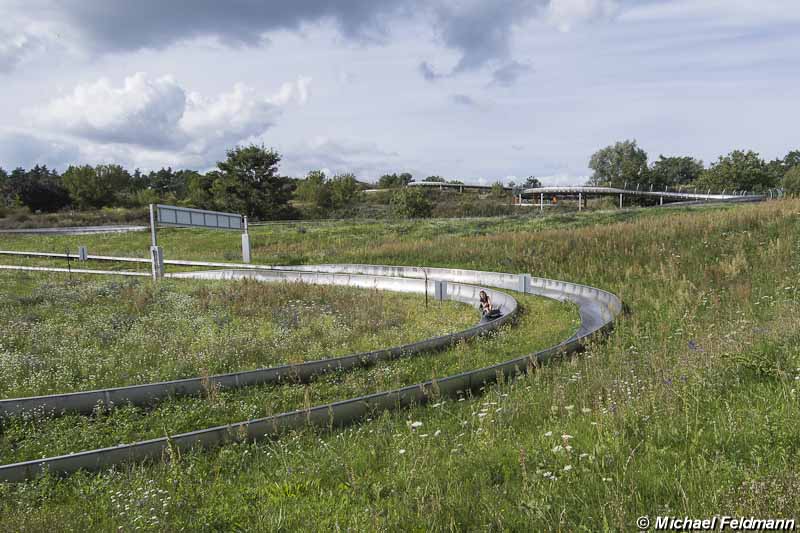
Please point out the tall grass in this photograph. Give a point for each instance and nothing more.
(688, 408)
(60, 336)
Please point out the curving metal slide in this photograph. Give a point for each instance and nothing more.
(597, 310)
(736, 196)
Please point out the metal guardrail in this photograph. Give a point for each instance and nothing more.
(597, 310)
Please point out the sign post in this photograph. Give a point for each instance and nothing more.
(156, 252)
(245, 243)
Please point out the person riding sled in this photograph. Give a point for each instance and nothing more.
(488, 311)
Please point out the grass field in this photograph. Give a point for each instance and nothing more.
(688, 408)
(61, 336)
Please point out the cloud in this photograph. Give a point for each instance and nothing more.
(143, 111)
(159, 114)
(151, 122)
(119, 25)
(566, 14)
(509, 74)
(481, 31)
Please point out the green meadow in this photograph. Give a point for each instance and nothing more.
(688, 407)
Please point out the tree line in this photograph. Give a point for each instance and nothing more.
(248, 182)
(626, 164)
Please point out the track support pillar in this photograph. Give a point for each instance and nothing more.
(524, 283)
(440, 290)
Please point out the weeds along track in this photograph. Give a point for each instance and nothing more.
(597, 309)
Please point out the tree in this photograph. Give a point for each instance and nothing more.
(779, 167)
(394, 181)
(94, 187)
(169, 183)
(738, 171)
(5, 190)
(674, 171)
(531, 182)
(615, 165)
(39, 188)
(344, 190)
(456, 182)
(435, 179)
(248, 183)
(411, 202)
(791, 181)
(315, 190)
(791, 160)
(198, 190)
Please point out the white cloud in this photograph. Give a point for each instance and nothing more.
(143, 111)
(157, 116)
(566, 14)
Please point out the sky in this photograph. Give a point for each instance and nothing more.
(473, 90)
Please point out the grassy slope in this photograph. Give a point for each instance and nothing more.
(690, 407)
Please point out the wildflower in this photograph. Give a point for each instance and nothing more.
(586, 410)
(402, 451)
(569, 407)
(415, 425)
(437, 433)
(566, 437)
(567, 468)
(548, 434)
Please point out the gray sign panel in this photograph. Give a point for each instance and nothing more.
(183, 216)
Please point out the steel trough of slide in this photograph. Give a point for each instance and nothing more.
(597, 308)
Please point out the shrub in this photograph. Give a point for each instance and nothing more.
(791, 181)
(411, 203)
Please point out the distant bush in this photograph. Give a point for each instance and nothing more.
(791, 181)
(411, 203)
